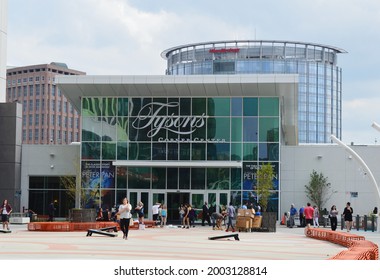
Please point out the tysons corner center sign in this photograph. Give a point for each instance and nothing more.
(151, 117)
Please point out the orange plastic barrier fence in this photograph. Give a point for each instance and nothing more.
(358, 247)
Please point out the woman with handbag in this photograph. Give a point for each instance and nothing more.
(125, 217)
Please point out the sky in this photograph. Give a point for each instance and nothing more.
(126, 37)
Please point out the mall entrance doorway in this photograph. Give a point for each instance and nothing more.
(175, 200)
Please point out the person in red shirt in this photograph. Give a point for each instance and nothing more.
(309, 214)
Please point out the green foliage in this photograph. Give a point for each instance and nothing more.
(264, 184)
(319, 189)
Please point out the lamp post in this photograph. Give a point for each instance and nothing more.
(361, 161)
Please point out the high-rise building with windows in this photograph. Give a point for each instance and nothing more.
(320, 78)
(47, 116)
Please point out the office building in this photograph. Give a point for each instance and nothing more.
(47, 116)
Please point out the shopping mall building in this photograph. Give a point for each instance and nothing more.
(201, 132)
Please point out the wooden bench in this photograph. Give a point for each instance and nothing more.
(103, 231)
(235, 236)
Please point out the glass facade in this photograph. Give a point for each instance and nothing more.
(166, 130)
(320, 79)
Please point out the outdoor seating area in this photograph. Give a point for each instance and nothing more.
(358, 247)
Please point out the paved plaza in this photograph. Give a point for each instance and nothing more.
(169, 243)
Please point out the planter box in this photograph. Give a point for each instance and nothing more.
(269, 221)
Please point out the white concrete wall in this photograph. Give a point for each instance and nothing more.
(47, 160)
(3, 47)
(344, 173)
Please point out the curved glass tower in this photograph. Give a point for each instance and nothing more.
(320, 79)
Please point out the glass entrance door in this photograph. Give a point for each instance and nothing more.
(143, 196)
(218, 200)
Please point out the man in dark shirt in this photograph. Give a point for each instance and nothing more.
(205, 215)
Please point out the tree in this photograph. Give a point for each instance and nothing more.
(319, 189)
(264, 176)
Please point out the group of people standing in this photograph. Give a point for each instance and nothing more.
(310, 216)
(209, 213)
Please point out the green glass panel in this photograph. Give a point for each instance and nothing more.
(158, 179)
(91, 129)
(198, 180)
(122, 107)
(269, 151)
(198, 151)
(109, 106)
(197, 200)
(121, 177)
(122, 150)
(140, 106)
(122, 129)
(184, 178)
(235, 198)
(159, 151)
(90, 150)
(250, 129)
(172, 175)
(223, 198)
(218, 151)
(109, 151)
(250, 106)
(218, 107)
(109, 129)
(159, 197)
(199, 106)
(218, 178)
(236, 179)
(269, 129)
(236, 129)
(269, 106)
(185, 106)
(139, 177)
(184, 151)
(218, 128)
(91, 106)
(160, 106)
(139, 151)
(236, 106)
(249, 151)
(236, 151)
(212, 199)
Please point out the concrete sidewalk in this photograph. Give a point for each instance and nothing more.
(169, 243)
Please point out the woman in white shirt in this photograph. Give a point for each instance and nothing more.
(125, 217)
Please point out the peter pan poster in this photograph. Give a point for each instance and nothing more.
(96, 178)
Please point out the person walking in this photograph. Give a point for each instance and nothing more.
(51, 211)
(155, 211)
(125, 217)
(316, 217)
(292, 214)
(347, 216)
(302, 216)
(6, 210)
(333, 215)
(205, 214)
(231, 213)
(309, 214)
(164, 214)
(186, 218)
